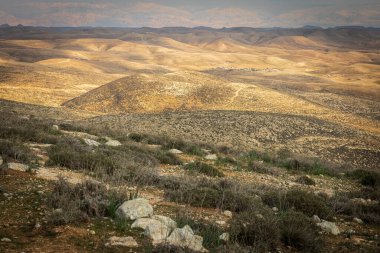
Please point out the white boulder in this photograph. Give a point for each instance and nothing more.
(184, 237)
(329, 227)
(134, 209)
(175, 151)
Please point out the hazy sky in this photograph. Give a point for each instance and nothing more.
(190, 13)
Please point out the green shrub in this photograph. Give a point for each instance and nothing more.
(298, 231)
(204, 168)
(257, 231)
(166, 157)
(299, 200)
(366, 178)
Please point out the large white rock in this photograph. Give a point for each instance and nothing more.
(329, 227)
(156, 228)
(184, 237)
(175, 151)
(90, 142)
(18, 166)
(166, 221)
(134, 209)
(157, 231)
(126, 241)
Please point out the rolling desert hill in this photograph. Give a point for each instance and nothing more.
(331, 75)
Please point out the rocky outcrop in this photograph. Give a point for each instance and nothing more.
(90, 142)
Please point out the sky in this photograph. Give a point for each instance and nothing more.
(191, 13)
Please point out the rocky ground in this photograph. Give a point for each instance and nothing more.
(25, 224)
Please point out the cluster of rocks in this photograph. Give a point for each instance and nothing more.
(160, 229)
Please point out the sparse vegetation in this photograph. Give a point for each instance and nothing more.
(299, 200)
(257, 230)
(12, 149)
(306, 180)
(298, 231)
(80, 202)
(203, 168)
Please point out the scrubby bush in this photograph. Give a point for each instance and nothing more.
(366, 178)
(299, 200)
(204, 168)
(79, 202)
(305, 180)
(259, 231)
(166, 157)
(298, 231)
(27, 130)
(15, 150)
(223, 195)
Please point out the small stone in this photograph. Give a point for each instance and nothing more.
(90, 142)
(259, 216)
(18, 166)
(211, 157)
(316, 219)
(224, 237)
(275, 209)
(92, 232)
(5, 239)
(227, 214)
(127, 241)
(55, 127)
(175, 151)
(357, 220)
(221, 222)
(37, 226)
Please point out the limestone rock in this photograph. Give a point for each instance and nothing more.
(211, 157)
(112, 143)
(90, 142)
(329, 227)
(5, 239)
(175, 151)
(166, 221)
(18, 166)
(224, 237)
(55, 127)
(357, 220)
(316, 219)
(227, 214)
(156, 228)
(184, 237)
(134, 209)
(126, 241)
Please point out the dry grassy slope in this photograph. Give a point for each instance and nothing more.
(246, 130)
(155, 93)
